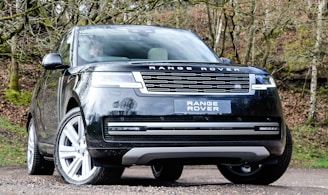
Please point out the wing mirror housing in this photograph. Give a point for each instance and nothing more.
(53, 61)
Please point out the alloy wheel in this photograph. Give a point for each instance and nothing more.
(73, 155)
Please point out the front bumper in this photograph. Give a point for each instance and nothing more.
(134, 128)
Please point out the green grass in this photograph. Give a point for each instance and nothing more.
(22, 97)
(310, 145)
(12, 143)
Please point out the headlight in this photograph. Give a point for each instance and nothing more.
(114, 79)
(263, 82)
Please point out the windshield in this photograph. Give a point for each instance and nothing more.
(136, 43)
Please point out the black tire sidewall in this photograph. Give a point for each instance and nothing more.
(167, 172)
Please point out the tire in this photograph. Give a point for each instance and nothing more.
(262, 174)
(36, 164)
(168, 172)
(73, 161)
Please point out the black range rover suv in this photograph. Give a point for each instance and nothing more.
(114, 96)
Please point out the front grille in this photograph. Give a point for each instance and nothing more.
(196, 82)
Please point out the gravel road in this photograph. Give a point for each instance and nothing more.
(139, 180)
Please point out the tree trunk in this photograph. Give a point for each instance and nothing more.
(250, 34)
(218, 32)
(267, 37)
(267, 34)
(14, 68)
(209, 24)
(317, 58)
(230, 18)
(225, 26)
(313, 91)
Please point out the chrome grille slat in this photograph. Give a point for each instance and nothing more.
(213, 82)
(174, 82)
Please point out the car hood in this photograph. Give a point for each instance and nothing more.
(171, 66)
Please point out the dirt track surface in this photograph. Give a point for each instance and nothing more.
(139, 180)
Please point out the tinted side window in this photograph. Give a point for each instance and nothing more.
(65, 48)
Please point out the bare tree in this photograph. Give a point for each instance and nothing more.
(16, 22)
(317, 58)
(250, 29)
(215, 16)
(274, 20)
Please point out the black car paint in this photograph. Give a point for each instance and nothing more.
(61, 89)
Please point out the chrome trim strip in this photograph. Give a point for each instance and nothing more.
(142, 156)
(227, 125)
(195, 128)
(193, 132)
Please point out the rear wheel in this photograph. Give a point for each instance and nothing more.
(36, 164)
(263, 174)
(72, 158)
(167, 172)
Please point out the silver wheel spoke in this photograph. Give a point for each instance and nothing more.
(30, 147)
(71, 134)
(74, 167)
(86, 164)
(30, 154)
(80, 128)
(67, 152)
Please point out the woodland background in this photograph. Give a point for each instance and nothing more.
(288, 38)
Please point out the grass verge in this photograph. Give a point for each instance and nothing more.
(13, 140)
(310, 146)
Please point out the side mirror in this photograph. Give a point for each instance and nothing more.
(53, 61)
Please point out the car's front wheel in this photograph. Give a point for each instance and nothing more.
(262, 174)
(167, 172)
(72, 158)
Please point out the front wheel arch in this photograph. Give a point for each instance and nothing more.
(72, 104)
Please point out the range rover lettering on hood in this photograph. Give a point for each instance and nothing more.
(189, 68)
